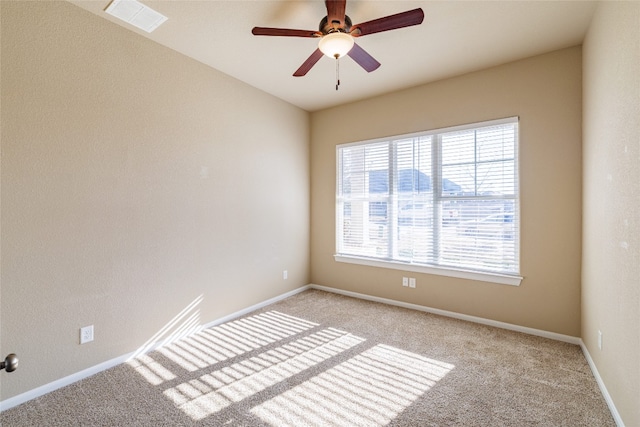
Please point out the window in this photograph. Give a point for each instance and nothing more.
(445, 201)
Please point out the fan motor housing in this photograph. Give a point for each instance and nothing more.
(325, 27)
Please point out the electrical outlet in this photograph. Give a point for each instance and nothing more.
(285, 274)
(412, 282)
(405, 281)
(86, 334)
(599, 340)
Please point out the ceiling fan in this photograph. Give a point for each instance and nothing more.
(337, 33)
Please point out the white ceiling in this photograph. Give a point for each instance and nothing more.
(456, 37)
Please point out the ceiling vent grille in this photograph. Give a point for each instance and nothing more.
(136, 14)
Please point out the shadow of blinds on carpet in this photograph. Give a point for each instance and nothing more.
(370, 388)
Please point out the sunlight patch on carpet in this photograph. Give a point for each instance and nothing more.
(233, 339)
(205, 348)
(369, 389)
(217, 390)
(151, 370)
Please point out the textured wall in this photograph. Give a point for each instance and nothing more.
(611, 232)
(134, 182)
(545, 91)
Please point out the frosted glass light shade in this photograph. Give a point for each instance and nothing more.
(336, 45)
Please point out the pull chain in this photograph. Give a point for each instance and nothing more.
(337, 70)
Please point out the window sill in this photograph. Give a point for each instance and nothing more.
(502, 279)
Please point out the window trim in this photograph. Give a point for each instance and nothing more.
(477, 275)
(502, 279)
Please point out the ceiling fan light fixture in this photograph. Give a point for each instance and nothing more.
(336, 45)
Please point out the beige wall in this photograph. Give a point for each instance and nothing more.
(134, 180)
(611, 231)
(545, 91)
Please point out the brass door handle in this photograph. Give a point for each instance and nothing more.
(10, 363)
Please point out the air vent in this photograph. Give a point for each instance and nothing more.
(136, 14)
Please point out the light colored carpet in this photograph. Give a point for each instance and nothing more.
(321, 359)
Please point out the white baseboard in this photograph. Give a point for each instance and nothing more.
(531, 331)
(256, 307)
(603, 388)
(62, 382)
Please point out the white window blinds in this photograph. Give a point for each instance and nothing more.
(445, 198)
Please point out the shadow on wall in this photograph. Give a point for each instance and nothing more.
(185, 323)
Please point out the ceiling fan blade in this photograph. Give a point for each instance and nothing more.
(363, 59)
(336, 12)
(391, 22)
(284, 32)
(310, 62)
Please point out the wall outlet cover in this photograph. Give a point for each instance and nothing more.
(86, 334)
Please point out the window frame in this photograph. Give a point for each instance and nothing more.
(449, 271)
